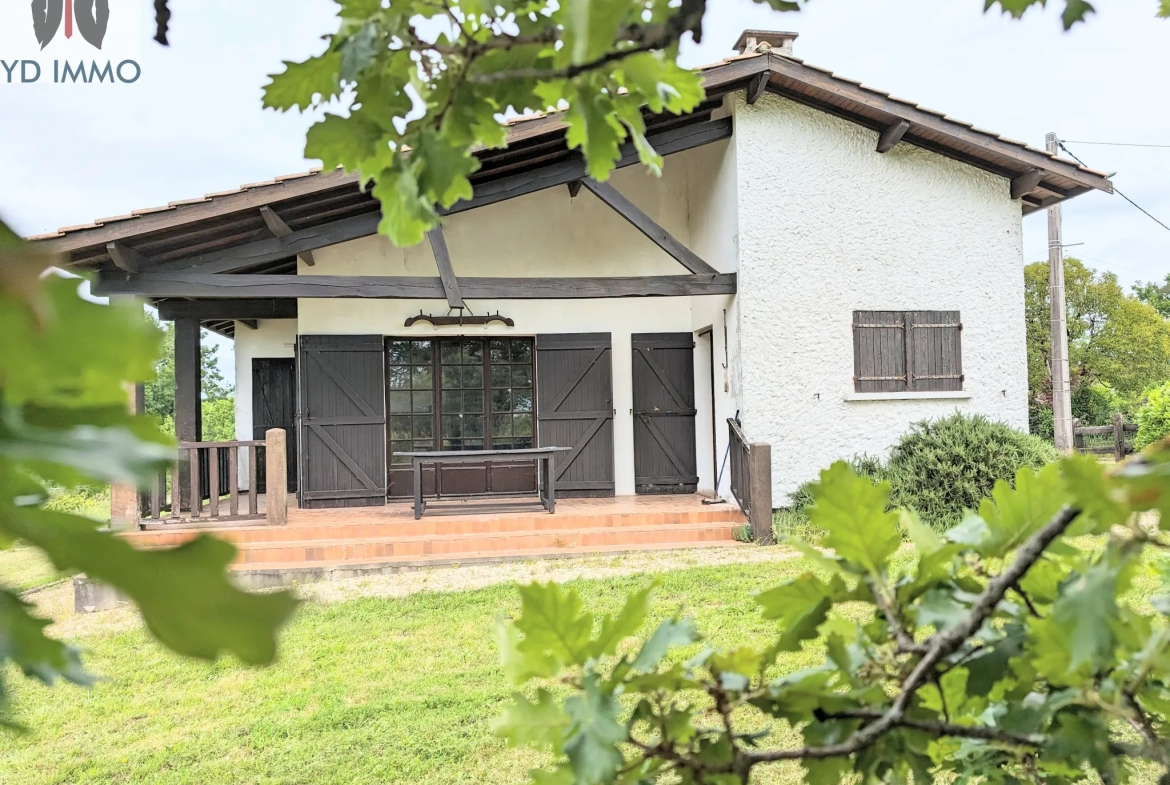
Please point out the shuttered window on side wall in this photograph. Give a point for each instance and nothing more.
(907, 351)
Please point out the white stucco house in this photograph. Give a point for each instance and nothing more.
(824, 261)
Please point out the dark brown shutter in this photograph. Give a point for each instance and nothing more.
(879, 351)
(574, 405)
(935, 350)
(343, 420)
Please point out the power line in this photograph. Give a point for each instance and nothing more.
(1115, 144)
(1116, 191)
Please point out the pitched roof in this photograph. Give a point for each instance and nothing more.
(535, 139)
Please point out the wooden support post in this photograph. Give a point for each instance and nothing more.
(1118, 437)
(188, 408)
(279, 228)
(1061, 388)
(127, 504)
(760, 477)
(276, 477)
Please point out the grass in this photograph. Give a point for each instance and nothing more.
(366, 691)
(23, 568)
(371, 690)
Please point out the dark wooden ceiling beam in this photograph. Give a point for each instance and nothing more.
(246, 308)
(757, 87)
(227, 287)
(279, 228)
(128, 259)
(892, 135)
(1026, 183)
(646, 225)
(510, 187)
(446, 270)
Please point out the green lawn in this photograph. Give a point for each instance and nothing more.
(370, 690)
(23, 568)
(366, 691)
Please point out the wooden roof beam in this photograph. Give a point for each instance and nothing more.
(245, 286)
(757, 87)
(892, 135)
(446, 271)
(251, 324)
(234, 309)
(126, 258)
(509, 187)
(646, 225)
(1026, 183)
(279, 228)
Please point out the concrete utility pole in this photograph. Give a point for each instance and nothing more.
(1061, 388)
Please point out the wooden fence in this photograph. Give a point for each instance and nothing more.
(204, 483)
(751, 480)
(1117, 445)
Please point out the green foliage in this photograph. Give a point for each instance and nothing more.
(64, 363)
(219, 420)
(1004, 654)
(1118, 345)
(1153, 418)
(942, 467)
(939, 468)
(1153, 295)
(160, 390)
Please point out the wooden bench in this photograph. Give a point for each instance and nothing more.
(545, 459)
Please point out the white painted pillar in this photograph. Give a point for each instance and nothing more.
(623, 418)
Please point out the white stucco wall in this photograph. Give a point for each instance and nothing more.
(550, 234)
(826, 226)
(272, 338)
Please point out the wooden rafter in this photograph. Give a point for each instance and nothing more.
(279, 228)
(509, 187)
(757, 87)
(409, 287)
(446, 271)
(892, 135)
(1026, 183)
(646, 225)
(126, 258)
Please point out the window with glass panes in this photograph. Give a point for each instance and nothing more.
(410, 374)
(459, 394)
(511, 392)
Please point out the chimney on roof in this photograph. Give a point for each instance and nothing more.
(778, 41)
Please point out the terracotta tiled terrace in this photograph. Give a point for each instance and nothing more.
(467, 532)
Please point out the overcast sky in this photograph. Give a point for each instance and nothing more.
(193, 124)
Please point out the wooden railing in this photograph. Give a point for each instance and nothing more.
(204, 483)
(751, 480)
(1118, 446)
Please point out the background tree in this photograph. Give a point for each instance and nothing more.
(1154, 295)
(160, 391)
(1118, 345)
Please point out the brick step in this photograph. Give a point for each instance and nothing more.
(356, 567)
(359, 528)
(413, 547)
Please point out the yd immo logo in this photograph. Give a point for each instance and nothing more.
(92, 18)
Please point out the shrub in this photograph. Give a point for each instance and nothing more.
(942, 467)
(1153, 418)
(1095, 404)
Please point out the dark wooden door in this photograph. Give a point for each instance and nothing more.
(664, 413)
(274, 405)
(574, 406)
(343, 421)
